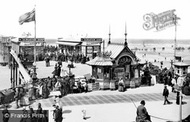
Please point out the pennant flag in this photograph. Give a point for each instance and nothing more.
(27, 17)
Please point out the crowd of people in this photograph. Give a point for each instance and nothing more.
(55, 53)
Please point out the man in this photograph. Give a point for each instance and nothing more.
(165, 94)
(17, 97)
(6, 114)
(142, 114)
(58, 114)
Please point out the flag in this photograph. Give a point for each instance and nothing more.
(27, 17)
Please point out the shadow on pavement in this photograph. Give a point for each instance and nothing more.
(67, 111)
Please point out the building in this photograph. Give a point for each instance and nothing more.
(5, 46)
(117, 61)
(69, 45)
(91, 47)
(24, 48)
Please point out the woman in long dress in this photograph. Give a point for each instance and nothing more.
(121, 85)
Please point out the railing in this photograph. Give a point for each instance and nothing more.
(25, 76)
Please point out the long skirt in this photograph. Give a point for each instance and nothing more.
(121, 89)
(24, 101)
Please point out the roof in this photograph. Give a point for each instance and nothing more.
(181, 64)
(114, 49)
(100, 61)
(68, 43)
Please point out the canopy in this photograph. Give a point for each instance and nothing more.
(68, 43)
(100, 61)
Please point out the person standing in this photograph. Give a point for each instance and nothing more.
(39, 111)
(6, 114)
(17, 97)
(121, 85)
(142, 114)
(166, 94)
(58, 114)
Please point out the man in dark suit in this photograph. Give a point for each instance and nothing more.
(58, 114)
(166, 94)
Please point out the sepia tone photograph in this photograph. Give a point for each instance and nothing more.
(94, 61)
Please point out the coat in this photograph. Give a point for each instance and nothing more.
(165, 92)
(142, 113)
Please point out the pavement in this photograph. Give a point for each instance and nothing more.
(108, 105)
(112, 106)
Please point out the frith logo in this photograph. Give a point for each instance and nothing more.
(160, 21)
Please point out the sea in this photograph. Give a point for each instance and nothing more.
(152, 50)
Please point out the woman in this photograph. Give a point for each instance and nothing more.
(121, 85)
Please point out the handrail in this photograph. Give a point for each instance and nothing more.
(23, 71)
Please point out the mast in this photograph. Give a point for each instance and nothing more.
(125, 44)
(34, 77)
(175, 41)
(109, 42)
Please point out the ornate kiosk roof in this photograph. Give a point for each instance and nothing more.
(100, 61)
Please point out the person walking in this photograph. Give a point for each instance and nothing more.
(17, 97)
(166, 94)
(142, 114)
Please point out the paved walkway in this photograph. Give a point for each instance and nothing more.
(112, 106)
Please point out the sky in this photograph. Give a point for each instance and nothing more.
(92, 18)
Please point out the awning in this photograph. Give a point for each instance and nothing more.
(100, 61)
(68, 43)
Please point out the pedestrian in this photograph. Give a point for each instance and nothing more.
(121, 85)
(17, 97)
(39, 111)
(6, 114)
(58, 114)
(166, 94)
(142, 114)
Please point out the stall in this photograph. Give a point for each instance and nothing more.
(118, 62)
(101, 67)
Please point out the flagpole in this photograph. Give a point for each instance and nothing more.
(175, 43)
(34, 64)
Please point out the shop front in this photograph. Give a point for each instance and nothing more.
(24, 48)
(91, 47)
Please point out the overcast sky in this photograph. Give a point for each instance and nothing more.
(63, 18)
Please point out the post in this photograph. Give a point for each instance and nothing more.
(180, 104)
(175, 45)
(34, 64)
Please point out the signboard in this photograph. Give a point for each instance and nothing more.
(91, 39)
(30, 41)
(160, 21)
